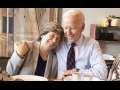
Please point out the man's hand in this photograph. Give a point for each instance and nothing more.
(21, 48)
(64, 72)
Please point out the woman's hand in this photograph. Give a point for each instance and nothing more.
(21, 48)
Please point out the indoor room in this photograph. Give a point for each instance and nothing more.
(24, 26)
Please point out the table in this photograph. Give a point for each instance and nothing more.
(50, 79)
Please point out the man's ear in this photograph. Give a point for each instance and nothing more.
(83, 27)
(41, 36)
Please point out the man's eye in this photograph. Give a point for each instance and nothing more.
(65, 27)
(72, 28)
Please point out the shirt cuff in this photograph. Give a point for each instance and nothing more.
(16, 59)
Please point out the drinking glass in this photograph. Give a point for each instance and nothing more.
(76, 74)
(86, 76)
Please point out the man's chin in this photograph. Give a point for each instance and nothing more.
(72, 41)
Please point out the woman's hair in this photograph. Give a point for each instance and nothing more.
(51, 27)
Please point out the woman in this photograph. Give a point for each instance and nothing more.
(37, 57)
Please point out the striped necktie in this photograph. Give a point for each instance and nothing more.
(71, 58)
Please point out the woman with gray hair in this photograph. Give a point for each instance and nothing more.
(37, 57)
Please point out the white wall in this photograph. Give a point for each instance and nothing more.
(95, 16)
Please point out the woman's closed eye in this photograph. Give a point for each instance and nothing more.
(58, 38)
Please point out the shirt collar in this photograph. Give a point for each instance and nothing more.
(78, 43)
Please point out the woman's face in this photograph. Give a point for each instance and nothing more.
(50, 40)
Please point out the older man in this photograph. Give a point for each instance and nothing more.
(77, 50)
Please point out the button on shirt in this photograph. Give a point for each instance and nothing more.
(88, 56)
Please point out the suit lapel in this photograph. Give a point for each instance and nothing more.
(49, 65)
(35, 55)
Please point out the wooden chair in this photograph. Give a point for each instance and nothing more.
(3, 62)
(114, 67)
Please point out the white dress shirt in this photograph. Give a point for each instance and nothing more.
(88, 56)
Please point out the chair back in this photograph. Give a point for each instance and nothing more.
(114, 67)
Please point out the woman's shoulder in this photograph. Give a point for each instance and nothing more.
(53, 52)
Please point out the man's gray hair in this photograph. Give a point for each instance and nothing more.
(74, 12)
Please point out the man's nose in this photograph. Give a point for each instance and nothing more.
(68, 31)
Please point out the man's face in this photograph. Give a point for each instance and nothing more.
(73, 28)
